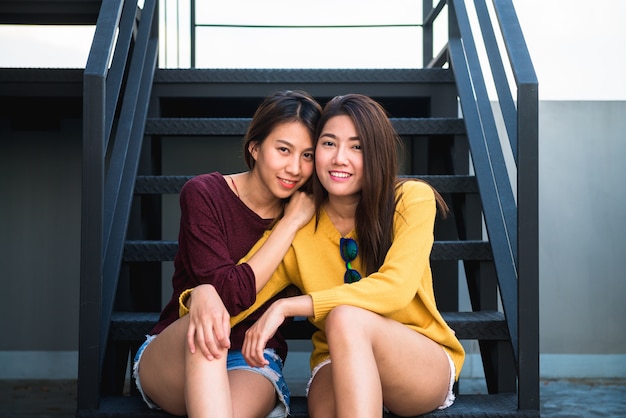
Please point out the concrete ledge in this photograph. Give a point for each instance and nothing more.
(54, 365)
(64, 365)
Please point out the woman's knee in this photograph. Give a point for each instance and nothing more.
(345, 315)
(340, 318)
(348, 321)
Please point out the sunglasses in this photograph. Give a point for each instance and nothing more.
(349, 250)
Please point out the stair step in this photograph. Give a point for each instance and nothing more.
(466, 406)
(483, 325)
(160, 184)
(173, 184)
(307, 75)
(238, 126)
(211, 83)
(145, 251)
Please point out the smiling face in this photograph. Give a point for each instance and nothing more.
(338, 157)
(284, 161)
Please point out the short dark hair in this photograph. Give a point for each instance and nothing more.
(278, 108)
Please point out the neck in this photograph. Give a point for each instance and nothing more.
(256, 197)
(341, 213)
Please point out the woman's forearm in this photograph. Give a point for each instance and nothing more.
(267, 258)
(295, 306)
(266, 326)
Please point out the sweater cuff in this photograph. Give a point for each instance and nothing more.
(323, 303)
(183, 309)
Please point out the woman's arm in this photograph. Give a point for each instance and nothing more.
(209, 315)
(213, 237)
(298, 212)
(263, 259)
(266, 326)
(397, 281)
(209, 323)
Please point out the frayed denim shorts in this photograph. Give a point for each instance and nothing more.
(235, 361)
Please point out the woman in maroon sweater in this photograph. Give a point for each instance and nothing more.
(222, 217)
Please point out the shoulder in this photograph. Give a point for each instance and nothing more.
(203, 181)
(415, 204)
(206, 190)
(203, 184)
(414, 191)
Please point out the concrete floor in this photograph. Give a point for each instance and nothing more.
(559, 398)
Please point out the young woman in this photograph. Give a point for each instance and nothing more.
(362, 265)
(222, 216)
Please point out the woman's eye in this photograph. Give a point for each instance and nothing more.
(308, 155)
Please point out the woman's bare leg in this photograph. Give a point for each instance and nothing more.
(207, 391)
(321, 397)
(378, 361)
(253, 395)
(162, 372)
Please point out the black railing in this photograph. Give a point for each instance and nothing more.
(116, 89)
(512, 226)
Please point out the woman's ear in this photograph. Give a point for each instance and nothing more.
(253, 149)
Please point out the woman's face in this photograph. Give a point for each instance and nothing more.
(284, 161)
(338, 157)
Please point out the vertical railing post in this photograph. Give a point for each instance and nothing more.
(528, 245)
(528, 204)
(90, 309)
(192, 34)
(427, 33)
(94, 142)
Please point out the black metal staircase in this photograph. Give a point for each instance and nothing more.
(130, 107)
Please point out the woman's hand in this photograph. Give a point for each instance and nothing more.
(209, 322)
(300, 209)
(258, 334)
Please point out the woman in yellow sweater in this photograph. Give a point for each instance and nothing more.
(363, 267)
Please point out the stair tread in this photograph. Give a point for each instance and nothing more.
(238, 126)
(484, 325)
(146, 250)
(217, 83)
(295, 75)
(171, 184)
(494, 405)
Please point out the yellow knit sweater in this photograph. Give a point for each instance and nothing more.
(401, 289)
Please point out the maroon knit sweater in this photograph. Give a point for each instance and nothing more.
(216, 230)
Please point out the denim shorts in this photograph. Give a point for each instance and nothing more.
(235, 361)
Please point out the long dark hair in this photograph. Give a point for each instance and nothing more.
(277, 108)
(379, 145)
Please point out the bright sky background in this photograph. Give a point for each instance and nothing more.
(577, 46)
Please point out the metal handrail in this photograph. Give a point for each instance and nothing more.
(505, 98)
(528, 202)
(512, 226)
(496, 194)
(114, 79)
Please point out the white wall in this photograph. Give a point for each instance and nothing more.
(582, 204)
(40, 180)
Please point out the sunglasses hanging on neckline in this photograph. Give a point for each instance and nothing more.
(349, 250)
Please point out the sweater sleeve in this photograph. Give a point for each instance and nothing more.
(205, 249)
(405, 268)
(277, 282)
